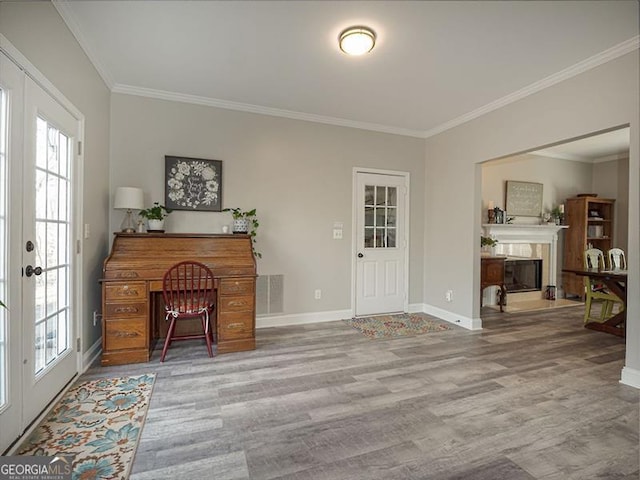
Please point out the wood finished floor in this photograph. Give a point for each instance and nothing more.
(532, 396)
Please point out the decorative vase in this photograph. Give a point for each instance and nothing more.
(156, 225)
(241, 225)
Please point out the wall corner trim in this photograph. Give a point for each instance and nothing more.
(91, 355)
(631, 377)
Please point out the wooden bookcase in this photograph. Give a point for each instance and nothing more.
(590, 221)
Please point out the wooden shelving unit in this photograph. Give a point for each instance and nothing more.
(590, 221)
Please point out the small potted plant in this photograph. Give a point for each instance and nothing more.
(245, 221)
(557, 213)
(155, 216)
(487, 244)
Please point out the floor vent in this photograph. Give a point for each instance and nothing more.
(269, 294)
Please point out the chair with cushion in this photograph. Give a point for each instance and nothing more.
(594, 259)
(188, 292)
(617, 260)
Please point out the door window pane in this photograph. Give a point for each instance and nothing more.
(380, 220)
(52, 295)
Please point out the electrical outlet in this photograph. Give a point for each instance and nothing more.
(448, 295)
(337, 234)
(318, 294)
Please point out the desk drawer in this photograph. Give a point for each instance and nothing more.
(125, 309)
(125, 291)
(237, 286)
(235, 325)
(123, 334)
(238, 303)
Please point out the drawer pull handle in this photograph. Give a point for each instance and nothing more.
(126, 310)
(126, 334)
(235, 325)
(237, 303)
(129, 293)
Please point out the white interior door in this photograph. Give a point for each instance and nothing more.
(49, 350)
(381, 243)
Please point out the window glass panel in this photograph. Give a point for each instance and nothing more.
(62, 241)
(391, 217)
(40, 346)
(64, 155)
(62, 331)
(52, 246)
(53, 152)
(381, 195)
(368, 194)
(52, 197)
(379, 237)
(391, 238)
(52, 291)
(368, 238)
(380, 216)
(63, 207)
(392, 197)
(41, 199)
(368, 216)
(40, 244)
(52, 339)
(40, 297)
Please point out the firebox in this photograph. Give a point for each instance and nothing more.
(523, 275)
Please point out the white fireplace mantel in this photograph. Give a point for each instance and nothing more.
(521, 233)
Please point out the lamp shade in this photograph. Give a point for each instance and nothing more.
(129, 198)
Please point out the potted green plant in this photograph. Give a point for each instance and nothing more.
(245, 221)
(557, 213)
(155, 216)
(487, 244)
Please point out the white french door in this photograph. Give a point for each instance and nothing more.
(381, 243)
(38, 354)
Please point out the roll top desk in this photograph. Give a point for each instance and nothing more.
(132, 282)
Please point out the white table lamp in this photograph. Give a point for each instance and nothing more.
(128, 198)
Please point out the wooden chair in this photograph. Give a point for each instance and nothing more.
(617, 260)
(187, 289)
(594, 259)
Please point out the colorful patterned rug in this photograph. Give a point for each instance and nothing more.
(98, 422)
(389, 326)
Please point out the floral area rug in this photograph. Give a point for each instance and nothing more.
(97, 422)
(389, 326)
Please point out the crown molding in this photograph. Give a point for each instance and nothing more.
(246, 107)
(65, 11)
(603, 57)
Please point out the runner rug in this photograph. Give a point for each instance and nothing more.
(401, 325)
(98, 423)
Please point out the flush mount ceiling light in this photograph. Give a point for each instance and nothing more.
(357, 40)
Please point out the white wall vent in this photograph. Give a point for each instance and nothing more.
(269, 294)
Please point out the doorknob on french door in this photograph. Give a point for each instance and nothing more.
(360, 255)
(32, 271)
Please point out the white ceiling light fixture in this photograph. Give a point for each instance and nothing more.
(357, 40)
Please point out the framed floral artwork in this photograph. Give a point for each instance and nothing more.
(193, 184)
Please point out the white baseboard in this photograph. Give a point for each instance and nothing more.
(91, 355)
(301, 318)
(630, 376)
(456, 319)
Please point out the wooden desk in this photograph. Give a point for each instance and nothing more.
(132, 276)
(492, 273)
(616, 283)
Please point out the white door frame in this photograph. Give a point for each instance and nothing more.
(354, 242)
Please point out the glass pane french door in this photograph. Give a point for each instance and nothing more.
(49, 349)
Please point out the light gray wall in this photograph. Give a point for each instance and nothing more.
(38, 32)
(599, 99)
(297, 174)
